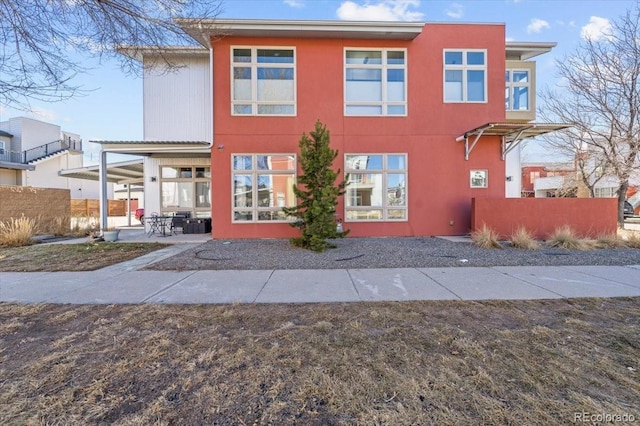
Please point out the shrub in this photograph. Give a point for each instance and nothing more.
(564, 237)
(17, 232)
(633, 240)
(485, 237)
(523, 239)
(609, 241)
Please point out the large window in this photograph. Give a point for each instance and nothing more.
(186, 189)
(263, 81)
(376, 187)
(376, 82)
(465, 75)
(516, 96)
(261, 185)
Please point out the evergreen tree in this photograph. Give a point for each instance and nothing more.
(318, 193)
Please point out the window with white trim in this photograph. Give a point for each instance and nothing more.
(262, 184)
(479, 178)
(517, 84)
(1, 147)
(376, 187)
(186, 189)
(605, 192)
(375, 82)
(465, 76)
(263, 81)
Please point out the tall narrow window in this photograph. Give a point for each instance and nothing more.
(465, 76)
(375, 82)
(263, 81)
(261, 185)
(517, 90)
(376, 187)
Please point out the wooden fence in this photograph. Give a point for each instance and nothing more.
(91, 208)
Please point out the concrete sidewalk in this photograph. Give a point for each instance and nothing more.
(127, 283)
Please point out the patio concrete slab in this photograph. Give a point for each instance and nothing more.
(215, 287)
(38, 287)
(619, 274)
(568, 282)
(132, 287)
(397, 285)
(485, 283)
(308, 285)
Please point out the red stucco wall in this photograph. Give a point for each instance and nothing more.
(588, 217)
(439, 194)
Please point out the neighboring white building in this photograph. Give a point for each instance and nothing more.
(32, 153)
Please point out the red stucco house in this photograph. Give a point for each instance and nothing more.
(425, 117)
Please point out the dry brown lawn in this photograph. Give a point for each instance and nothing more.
(71, 257)
(463, 363)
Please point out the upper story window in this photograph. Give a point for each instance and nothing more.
(375, 82)
(465, 76)
(263, 81)
(516, 96)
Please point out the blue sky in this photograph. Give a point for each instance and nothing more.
(112, 108)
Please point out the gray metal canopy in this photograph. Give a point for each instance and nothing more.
(129, 172)
(511, 133)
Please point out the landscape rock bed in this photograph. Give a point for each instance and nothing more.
(366, 253)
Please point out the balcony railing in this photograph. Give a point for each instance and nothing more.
(33, 154)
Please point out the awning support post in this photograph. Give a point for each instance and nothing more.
(507, 147)
(103, 192)
(467, 148)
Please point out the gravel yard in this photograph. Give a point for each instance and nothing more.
(364, 253)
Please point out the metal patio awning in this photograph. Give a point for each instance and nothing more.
(511, 133)
(129, 172)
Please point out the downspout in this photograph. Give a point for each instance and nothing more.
(211, 96)
(103, 191)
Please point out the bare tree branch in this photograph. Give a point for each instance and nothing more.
(600, 95)
(42, 41)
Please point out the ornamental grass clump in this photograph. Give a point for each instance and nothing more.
(485, 237)
(633, 240)
(17, 232)
(564, 237)
(523, 239)
(609, 241)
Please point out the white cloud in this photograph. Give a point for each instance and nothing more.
(455, 11)
(294, 3)
(43, 114)
(536, 25)
(596, 29)
(383, 10)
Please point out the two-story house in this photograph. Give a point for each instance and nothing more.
(425, 117)
(32, 152)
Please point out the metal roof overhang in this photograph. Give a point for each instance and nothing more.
(511, 133)
(129, 172)
(149, 148)
(202, 29)
(16, 166)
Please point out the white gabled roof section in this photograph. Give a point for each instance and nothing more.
(202, 29)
